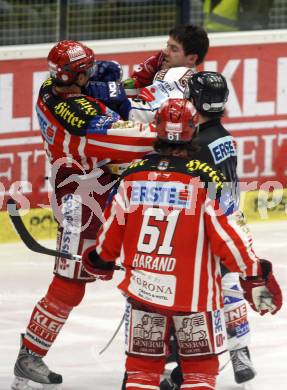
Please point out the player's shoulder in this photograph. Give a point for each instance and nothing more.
(215, 143)
(211, 131)
(179, 74)
(192, 167)
(137, 166)
(206, 172)
(47, 85)
(75, 112)
(86, 105)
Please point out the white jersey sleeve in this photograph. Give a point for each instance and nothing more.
(168, 83)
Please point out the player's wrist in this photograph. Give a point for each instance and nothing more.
(95, 266)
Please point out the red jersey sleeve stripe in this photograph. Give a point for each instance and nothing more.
(210, 281)
(229, 243)
(242, 242)
(217, 281)
(198, 262)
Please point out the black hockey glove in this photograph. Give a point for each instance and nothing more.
(95, 266)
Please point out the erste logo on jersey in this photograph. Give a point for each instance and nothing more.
(222, 148)
(158, 193)
(47, 129)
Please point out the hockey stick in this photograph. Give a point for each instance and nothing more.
(30, 241)
(27, 238)
(113, 336)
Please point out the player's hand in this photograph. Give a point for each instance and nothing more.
(145, 72)
(95, 266)
(143, 75)
(263, 293)
(107, 71)
(112, 94)
(106, 92)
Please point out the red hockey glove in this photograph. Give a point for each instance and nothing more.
(95, 266)
(263, 293)
(143, 75)
(146, 71)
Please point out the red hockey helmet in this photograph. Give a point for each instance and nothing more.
(69, 58)
(175, 121)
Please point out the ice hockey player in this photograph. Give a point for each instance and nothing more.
(80, 134)
(168, 72)
(172, 237)
(208, 92)
(217, 147)
(186, 46)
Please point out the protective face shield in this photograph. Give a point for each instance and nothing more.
(69, 58)
(208, 91)
(175, 121)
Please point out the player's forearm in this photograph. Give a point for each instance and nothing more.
(231, 244)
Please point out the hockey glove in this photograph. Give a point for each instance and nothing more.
(112, 94)
(143, 75)
(263, 293)
(95, 266)
(145, 72)
(106, 91)
(107, 71)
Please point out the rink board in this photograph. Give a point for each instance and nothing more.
(40, 223)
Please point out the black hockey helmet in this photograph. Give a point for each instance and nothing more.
(208, 91)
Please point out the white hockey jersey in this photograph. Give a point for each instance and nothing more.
(168, 83)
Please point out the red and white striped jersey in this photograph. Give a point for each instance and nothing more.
(171, 236)
(85, 131)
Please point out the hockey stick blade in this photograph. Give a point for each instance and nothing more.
(26, 237)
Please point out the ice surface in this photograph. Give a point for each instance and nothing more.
(24, 278)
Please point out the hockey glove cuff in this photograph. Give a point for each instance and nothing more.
(106, 92)
(263, 293)
(132, 87)
(95, 266)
